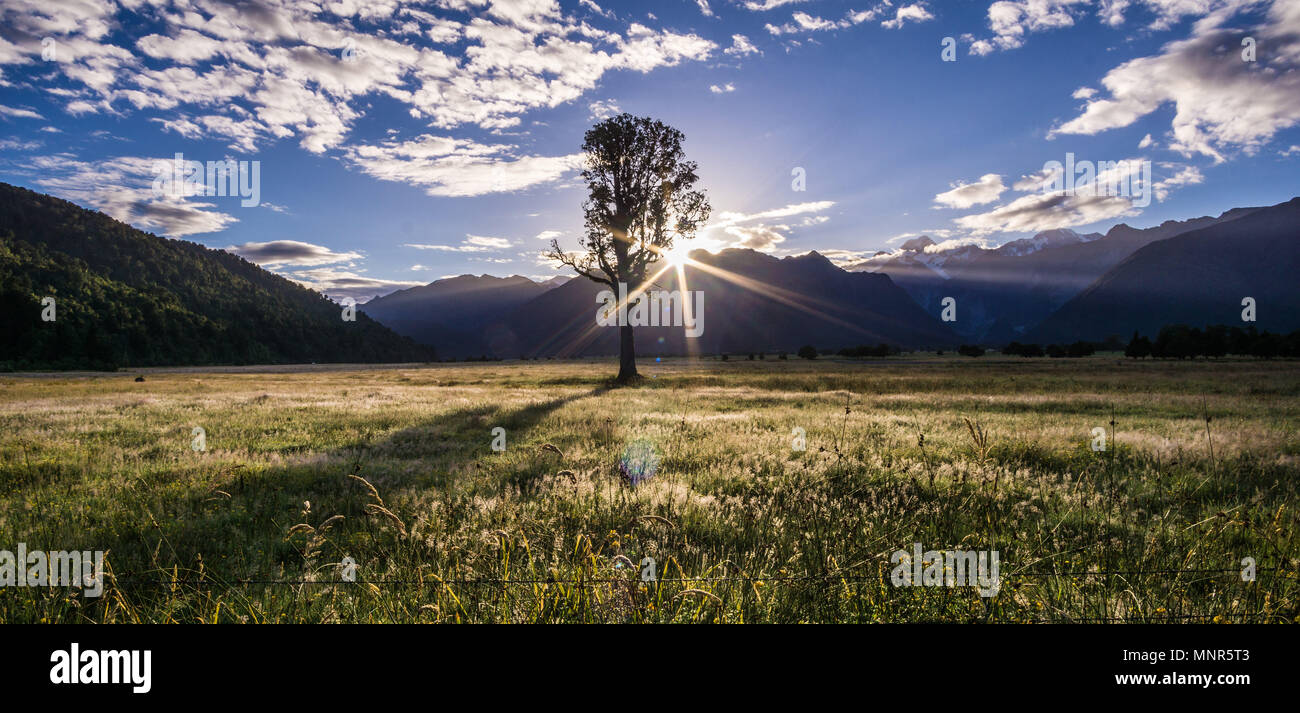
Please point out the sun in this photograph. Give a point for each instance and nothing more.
(677, 254)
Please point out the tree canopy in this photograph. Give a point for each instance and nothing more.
(641, 196)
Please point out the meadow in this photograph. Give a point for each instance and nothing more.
(394, 468)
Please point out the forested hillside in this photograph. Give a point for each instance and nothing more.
(128, 298)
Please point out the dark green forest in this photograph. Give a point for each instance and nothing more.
(126, 298)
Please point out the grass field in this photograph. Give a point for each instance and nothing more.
(742, 527)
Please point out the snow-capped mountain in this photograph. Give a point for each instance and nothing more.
(1002, 292)
(1046, 239)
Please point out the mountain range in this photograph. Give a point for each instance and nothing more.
(1058, 286)
(1200, 277)
(118, 296)
(457, 314)
(754, 302)
(129, 298)
(1003, 292)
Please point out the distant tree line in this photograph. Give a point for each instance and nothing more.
(880, 350)
(808, 351)
(1174, 341)
(1054, 351)
(1179, 341)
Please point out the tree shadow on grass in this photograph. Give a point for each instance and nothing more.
(232, 525)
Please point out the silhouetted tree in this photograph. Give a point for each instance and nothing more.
(1138, 347)
(807, 351)
(1176, 341)
(1214, 341)
(640, 197)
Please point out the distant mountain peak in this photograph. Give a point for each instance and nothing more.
(1194, 276)
(1045, 239)
(812, 257)
(917, 245)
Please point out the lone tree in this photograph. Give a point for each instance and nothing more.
(640, 197)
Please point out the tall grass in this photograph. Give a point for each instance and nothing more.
(392, 468)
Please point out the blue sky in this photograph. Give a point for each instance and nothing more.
(400, 142)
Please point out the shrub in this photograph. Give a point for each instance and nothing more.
(1080, 349)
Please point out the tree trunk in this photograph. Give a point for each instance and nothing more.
(626, 354)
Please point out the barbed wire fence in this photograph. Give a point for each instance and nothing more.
(804, 580)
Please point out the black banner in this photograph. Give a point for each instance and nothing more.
(929, 664)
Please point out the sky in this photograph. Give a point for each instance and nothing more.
(394, 143)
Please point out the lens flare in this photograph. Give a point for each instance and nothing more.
(639, 462)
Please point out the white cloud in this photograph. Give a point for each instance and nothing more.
(725, 218)
(591, 5)
(1220, 102)
(741, 47)
(1036, 212)
(549, 235)
(19, 113)
(186, 47)
(756, 237)
(446, 248)
(915, 13)
(603, 109)
(122, 187)
(768, 4)
(844, 258)
(1038, 180)
(278, 253)
(1188, 175)
(964, 195)
(1011, 20)
(808, 22)
(487, 242)
(1089, 202)
(339, 283)
(755, 231)
(803, 22)
(471, 244)
(18, 145)
(704, 8)
(261, 71)
(724, 89)
(456, 167)
(1111, 12)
